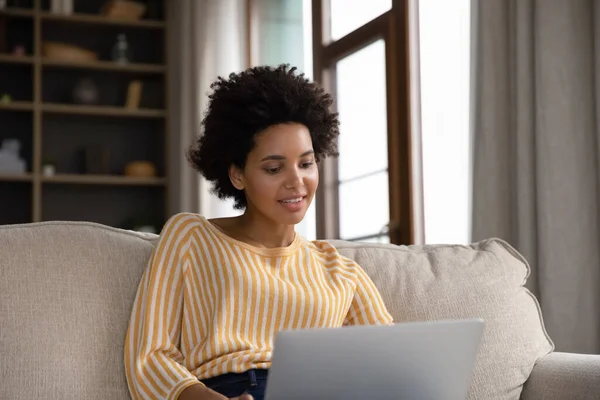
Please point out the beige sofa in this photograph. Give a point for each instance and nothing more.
(66, 289)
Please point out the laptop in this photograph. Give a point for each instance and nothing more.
(408, 361)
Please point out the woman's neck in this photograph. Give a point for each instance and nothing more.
(263, 232)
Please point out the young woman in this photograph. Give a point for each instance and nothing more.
(216, 292)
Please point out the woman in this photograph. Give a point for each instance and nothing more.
(215, 292)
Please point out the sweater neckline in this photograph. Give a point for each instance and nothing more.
(264, 251)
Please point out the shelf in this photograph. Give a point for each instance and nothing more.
(16, 177)
(104, 111)
(105, 65)
(17, 106)
(103, 180)
(101, 20)
(18, 12)
(12, 59)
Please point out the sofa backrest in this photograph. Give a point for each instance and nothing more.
(484, 280)
(66, 290)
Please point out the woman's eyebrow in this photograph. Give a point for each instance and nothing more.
(279, 157)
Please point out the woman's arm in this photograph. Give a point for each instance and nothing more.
(152, 357)
(367, 307)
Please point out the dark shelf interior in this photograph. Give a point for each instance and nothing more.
(16, 31)
(15, 202)
(154, 8)
(136, 205)
(16, 80)
(66, 139)
(111, 86)
(20, 3)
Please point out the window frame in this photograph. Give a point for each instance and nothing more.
(393, 28)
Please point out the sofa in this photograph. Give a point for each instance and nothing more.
(66, 290)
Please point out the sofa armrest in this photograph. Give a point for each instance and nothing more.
(565, 376)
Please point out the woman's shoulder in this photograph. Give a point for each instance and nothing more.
(182, 218)
(330, 254)
(183, 223)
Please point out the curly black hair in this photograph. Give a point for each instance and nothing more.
(248, 103)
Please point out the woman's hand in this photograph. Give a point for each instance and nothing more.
(242, 397)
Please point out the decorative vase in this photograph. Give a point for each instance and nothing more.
(85, 92)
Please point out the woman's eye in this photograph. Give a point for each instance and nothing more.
(273, 170)
(306, 165)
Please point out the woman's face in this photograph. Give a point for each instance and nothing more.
(281, 175)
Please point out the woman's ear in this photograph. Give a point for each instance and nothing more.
(236, 177)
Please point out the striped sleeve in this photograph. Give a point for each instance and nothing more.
(152, 357)
(367, 306)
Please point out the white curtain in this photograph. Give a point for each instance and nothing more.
(536, 171)
(207, 38)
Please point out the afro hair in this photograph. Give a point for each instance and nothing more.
(246, 104)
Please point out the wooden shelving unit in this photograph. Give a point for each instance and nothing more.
(16, 177)
(18, 12)
(103, 180)
(9, 58)
(49, 125)
(17, 106)
(80, 18)
(106, 65)
(101, 111)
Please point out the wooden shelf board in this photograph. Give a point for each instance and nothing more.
(17, 106)
(106, 111)
(18, 12)
(102, 180)
(27, 177)
(105, 65)
(100, 20)
(9, 58)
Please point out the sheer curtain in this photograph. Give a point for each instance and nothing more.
(536, 172)
(207, 38)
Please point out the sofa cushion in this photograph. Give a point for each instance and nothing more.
(483, 280)
(66, 291)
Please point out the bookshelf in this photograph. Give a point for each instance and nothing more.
(51, 127)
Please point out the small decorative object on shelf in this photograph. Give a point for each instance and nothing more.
(10, 162)
(5, 98)
(124, 9)
(67, 52)
(48, 168)
(140, 169)
(120, 51)
(134, 94)
(85, 92)
(61, 6)
(18, 50)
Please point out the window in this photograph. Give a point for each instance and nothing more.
(363, 161)
(360, 56)
(348, 15)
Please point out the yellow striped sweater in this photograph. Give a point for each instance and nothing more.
(208, 304)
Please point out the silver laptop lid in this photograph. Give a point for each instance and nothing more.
(424, 361)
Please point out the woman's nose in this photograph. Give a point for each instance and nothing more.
(294, 179)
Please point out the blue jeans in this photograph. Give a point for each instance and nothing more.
(253, 382)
